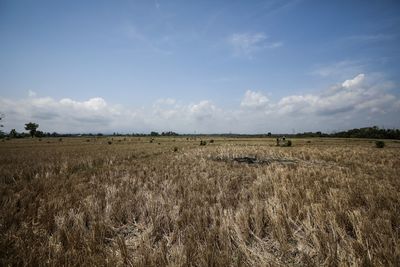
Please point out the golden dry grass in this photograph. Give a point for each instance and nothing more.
(136, 203)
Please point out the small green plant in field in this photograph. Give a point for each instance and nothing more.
(379, 144)
(203, 143)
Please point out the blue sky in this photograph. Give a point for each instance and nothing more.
(204, 66)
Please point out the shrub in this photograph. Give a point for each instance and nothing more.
(59, 139)
(379, 144)
(109, 142)
(289, 143)
(175, 149)
(211, 141)
(203, 143)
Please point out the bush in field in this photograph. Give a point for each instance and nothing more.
(379, 144)
(109, 142)
(289, 143)
(211, 141)
(203, 143)
(175, 149)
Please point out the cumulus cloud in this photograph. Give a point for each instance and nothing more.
(352, 95)
(354, 82)
(357, 101)
(93, 104)
(353, 99)
(253, 99)
(63, 115)
(31, 93)
(245, 44)
(203, 110)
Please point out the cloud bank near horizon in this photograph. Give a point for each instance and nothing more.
(356, 102)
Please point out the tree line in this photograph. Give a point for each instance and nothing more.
(373, 132)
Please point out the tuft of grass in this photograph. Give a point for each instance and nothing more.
(379, 144)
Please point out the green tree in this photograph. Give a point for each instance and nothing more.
(1, 118)
(31, 127)
(13, 133)
(1, 126)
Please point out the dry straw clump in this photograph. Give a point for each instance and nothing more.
(137, 204)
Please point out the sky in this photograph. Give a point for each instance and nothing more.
(199, 66)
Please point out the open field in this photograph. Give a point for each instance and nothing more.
(82, 201)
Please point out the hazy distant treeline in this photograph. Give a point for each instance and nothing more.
(368, 132)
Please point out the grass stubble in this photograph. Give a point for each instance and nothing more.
(136, 203)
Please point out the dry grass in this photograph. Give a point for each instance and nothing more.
(137, 203)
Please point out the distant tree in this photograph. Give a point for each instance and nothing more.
(269, 134)
(154, 134)
(1, 118)
(13, 134)
(1, 125)
(40, 134)
(31, 127)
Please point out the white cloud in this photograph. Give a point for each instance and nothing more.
(253, 99)
(31, 93)
(339, 70)
(94, 104)
(354, 82)
(245, 44)
(352, 95)
(203, 110)
(359, 101)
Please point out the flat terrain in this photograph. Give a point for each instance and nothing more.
(83, 201)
